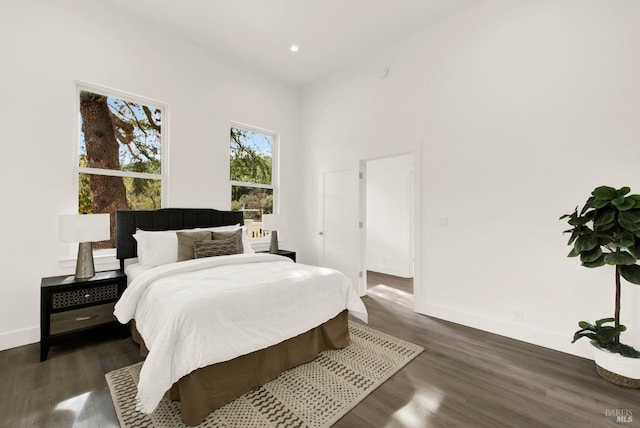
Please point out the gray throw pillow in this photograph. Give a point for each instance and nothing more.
(237, 235)
(186, 241)
(214, 248)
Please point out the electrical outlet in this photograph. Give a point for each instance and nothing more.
(517, 313)
(443, 221)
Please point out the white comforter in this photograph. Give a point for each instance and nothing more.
(199, 312)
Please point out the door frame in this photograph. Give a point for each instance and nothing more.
(416, 152)
(410, 214)
(416, 241)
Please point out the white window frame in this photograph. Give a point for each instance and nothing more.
(164, 147)
(275, 170)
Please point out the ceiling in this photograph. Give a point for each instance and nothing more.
(330, 34)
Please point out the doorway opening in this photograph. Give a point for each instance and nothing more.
(389, 287)
(390, 227)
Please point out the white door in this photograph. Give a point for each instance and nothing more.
(342, 222)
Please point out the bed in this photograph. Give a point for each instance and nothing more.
(215, 326)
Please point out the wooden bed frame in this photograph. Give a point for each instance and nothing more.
(211, 387)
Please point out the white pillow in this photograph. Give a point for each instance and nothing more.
(156, 248)
(245, 241)
(160, 247)
(231, 228)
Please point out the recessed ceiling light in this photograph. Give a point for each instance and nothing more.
(294, 48)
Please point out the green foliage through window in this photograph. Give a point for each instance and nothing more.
(251, 175)
(119, 147)
(251, 157)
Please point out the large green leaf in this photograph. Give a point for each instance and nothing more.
(633, 227)
(629, 220)
(634, 250)
(604, 217)
(586, 242)
(605, 193)
(632, 216)
(604, 321)
(607, 228)
(596, 263)
(591, 255)
(623, 239)
(587, 205)
(623, 190)
(604, 335)
(608, 334)
(573, 253)
(631, 273)
(619, 258)
(606, 238)
(587, 217)
(636, 199)
(581, 334)
(585, 325)
(599, 203)
(623, 204)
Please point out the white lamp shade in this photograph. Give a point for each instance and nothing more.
(84, 228)
(270, 222)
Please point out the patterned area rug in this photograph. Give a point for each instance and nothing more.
(315, 394)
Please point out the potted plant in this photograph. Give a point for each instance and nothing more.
(606, 232)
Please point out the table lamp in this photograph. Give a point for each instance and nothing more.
(84, 229)
(271, 222)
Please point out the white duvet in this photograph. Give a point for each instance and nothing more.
(199, 312)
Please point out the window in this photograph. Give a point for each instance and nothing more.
(253, 190)
(120, 148)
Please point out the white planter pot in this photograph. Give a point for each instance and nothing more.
(616, 368)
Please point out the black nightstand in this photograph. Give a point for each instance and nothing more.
(286, 253)
(71, 307)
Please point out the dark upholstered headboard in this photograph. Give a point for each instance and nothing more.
(166, 219)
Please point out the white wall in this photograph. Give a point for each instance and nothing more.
(522, 108)
(45, 46)
(389, 215)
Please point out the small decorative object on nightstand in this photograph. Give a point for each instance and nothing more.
(72, 307)
(286, 253)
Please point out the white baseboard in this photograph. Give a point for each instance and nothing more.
(512, 329)
(13, 339)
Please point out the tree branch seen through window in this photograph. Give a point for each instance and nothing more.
(252, 182)
(120, 145)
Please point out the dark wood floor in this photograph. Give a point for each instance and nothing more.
(465, 378)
